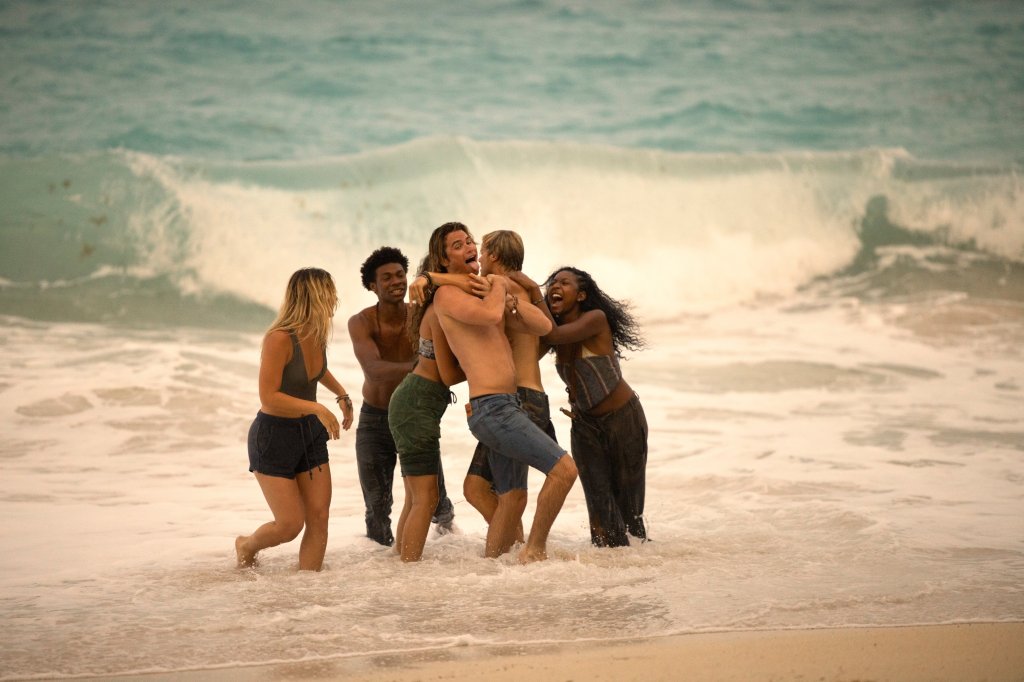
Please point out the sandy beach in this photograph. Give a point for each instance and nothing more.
(993, 652)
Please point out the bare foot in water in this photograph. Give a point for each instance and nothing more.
(246, 559)
(528, 555)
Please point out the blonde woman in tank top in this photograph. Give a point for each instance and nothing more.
(288, 438)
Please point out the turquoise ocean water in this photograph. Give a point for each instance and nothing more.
(815, 208)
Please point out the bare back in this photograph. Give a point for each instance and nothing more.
(525, 347)
(427, 367)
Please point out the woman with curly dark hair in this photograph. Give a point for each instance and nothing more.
(609, 429)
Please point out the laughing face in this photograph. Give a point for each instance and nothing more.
(564, 292)
(390, 283)
(460, 253)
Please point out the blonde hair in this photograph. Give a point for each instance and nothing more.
(310, 300)
(507, 247)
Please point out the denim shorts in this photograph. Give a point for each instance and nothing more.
(535, 404)
(414, 415)
(499, 422)
(286, 447)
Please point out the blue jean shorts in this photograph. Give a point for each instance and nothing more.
(535, 404)
(499, 422)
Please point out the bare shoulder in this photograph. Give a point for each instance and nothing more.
(445, 296)
(515, 288)
(595, 317)
(362, 319)
(278, 337)
(429, 324)
(278, 341)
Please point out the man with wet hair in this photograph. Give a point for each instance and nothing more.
(475, 330)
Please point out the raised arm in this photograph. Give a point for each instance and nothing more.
(521, 315)
(419, 286)
(527, 317)
(471, 310)
(536, 296)
(533, 291)
(375, 368)
(587, 326)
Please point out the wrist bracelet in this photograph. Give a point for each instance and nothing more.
(430, 280)
(538, 301)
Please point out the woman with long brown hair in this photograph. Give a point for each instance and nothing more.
(417, 406)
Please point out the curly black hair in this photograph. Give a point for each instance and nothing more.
(625, 328)
(382, 256)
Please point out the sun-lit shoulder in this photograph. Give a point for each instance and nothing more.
(277, 339)
(278, 336)
(360, 319)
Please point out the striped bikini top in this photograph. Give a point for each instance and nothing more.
(426, 348)
(590, 379)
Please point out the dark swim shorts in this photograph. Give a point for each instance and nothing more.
(285, 447)
(414, 415)
(535, 404)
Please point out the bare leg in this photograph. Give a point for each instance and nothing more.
(479, 493)
(424, 495)
(406, 508)
(549, 502)
(316, 498)
(507, 518)
(282, 495)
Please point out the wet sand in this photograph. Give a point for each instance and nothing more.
(980, 651)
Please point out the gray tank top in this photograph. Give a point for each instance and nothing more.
(294, 380)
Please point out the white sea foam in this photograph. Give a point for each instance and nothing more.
(809, 466)
(709, 229)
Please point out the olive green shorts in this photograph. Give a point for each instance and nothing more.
(414, 416)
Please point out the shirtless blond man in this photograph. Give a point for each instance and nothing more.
(502, 253)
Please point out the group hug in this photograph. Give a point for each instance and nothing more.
(472, 316)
